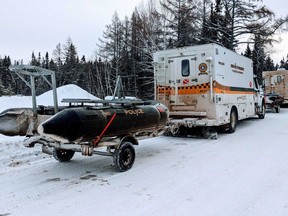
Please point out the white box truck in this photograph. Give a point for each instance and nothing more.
(206, 86)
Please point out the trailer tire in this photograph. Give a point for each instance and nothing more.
(124, 156)
(233, 121)
(277, 109)
(62, 155)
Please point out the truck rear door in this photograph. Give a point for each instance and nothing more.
(183, 74)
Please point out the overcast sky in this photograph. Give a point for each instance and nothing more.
(38, 25)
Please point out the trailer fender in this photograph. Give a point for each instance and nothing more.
(129, 138)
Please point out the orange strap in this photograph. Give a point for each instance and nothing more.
(98, 138)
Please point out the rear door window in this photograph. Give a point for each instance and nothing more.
(185, 67)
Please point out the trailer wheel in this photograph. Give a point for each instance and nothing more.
(124, 156)
(233, 121)
(62, 155)
(277, 109)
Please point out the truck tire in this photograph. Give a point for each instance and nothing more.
(262, 114)
(62, 155)
(124, 156)
(233, 121)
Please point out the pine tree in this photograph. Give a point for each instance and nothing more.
(286, 63)
(210, 22)
(269, 64)
(248, 52)
(39, 60)
(6, 78)
(46, 61)
(282, 63)
(33, 59)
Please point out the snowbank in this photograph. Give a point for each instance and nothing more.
(46, 99)
(66, 91)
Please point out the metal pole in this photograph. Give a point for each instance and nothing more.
(54, 92)
(34, 105)
(116, 90)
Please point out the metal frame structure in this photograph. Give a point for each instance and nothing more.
(119, 91)
(33, 72)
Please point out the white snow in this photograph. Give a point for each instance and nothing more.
(46, 99)
(240, 174)
(67, 91)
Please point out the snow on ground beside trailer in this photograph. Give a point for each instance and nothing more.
(239, 174)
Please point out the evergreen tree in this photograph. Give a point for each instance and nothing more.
(71, 61)
(46, 61)
(210, 22)
(6, 78)
(33, 59)
(284, 63)
(248, 52)
(39, 60)
(2, 89)
(269, 64)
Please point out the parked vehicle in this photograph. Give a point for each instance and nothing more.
(273, 101)
(275, 82)
(206, 86)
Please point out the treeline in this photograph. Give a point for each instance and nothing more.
(126, 47)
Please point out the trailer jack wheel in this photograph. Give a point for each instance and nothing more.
(124, 156)
(277, 109)
(209, 133)
(62, 155)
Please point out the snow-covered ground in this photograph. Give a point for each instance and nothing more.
(238, 174)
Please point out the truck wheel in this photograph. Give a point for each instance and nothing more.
(262, 114)
(62, 155)
(124, 156)
(233, 121)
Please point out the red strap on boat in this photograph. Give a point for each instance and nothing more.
(98, 138)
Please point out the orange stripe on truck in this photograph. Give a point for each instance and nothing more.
(203, 89)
